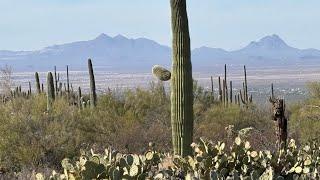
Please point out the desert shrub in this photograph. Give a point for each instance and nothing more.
(127, 121)
(314, 89)
(304, 122)
(217, 119)
(32, 137)
(305, 116)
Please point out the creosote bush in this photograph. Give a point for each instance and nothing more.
(304, 116)
(32, 138)
(127, 121)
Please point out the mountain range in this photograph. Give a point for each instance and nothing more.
(125, 54)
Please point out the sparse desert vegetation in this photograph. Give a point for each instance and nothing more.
(54, 130)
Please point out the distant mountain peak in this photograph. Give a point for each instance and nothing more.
(119, 36)
(273, 39)
(271, 42)
(102, 36)
(121, 52)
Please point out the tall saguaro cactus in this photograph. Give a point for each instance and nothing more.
(79, 97)
(226, 85)
(37, 82)
(30, 89)
(220, 90)
(181, 81)
(245, 84)
(212, 88)
(231, 95)
(55, 80)
(93, 95)
(50, 91)
(245, 99)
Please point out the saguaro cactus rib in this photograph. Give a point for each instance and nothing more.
(181, 81)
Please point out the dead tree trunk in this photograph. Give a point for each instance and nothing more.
(278, 115)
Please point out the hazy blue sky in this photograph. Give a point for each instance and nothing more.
(229, 24)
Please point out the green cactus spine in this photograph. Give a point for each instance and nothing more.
(93, 95)
(50, 91)
(181, 81)
(37, 82)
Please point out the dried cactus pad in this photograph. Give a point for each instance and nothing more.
(161, 73)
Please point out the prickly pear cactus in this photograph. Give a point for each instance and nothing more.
(209, 161)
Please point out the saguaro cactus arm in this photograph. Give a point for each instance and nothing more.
(181, 81)
(161, 73)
